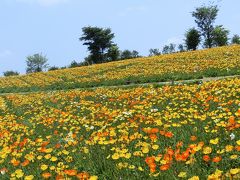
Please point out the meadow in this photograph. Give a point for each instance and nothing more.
(221, 61)
(168, 132)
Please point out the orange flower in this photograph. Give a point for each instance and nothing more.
(201, 143)
(206, 158)
(153, 136)
(149, 160)
(237, 148)
(178, 157)
(152, 170)
(169, 134)
(164, 167)
(59, 177)
(152, 167)
(46, 175)
(170, 151)
(83, 176)
(179, 144)
(231, 120)
(58, 145)
(25, 163)
(154, 130)
(185, 155)
(167, 157)
(71, 172)
(162, 133)
(193, 138)
(216, 159)
(15, 162)
(45, 143)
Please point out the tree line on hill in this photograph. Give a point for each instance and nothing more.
(101, 47)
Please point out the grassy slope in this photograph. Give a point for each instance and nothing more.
(188, 65)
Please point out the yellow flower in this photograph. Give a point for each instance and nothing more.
(131, 167)
(47, 156)
(238, 142)
(93, 178)
(19, 173)
(234, 156)
(213, 177)
(127, 155)
(49, 150)
(44, 167)
(86, 150)
(145, 149)
(52, 168)
(182, 174)
(30, 177)
(218, 172)
(214, 141)
(115, 156)
(194, 178)
(39, 157)
(163, 162)
(65, 152)
(157, 159)
(140, 168)
(229, 148)
(53, 158)
(235, 171)
(155, 147)
(207, 150)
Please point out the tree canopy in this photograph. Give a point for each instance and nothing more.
(98, 40)
(220, 36)
(205, 17)
(192, 39)
(10, 73)
(236, 39)
(36, 63)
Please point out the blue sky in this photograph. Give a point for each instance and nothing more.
(54, 26)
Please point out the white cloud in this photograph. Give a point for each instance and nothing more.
(44, 2)
(5, 53)
(128, 10)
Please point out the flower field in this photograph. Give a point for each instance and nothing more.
(178, 66)
(169, 132)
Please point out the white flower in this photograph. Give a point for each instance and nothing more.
(3, 171)
(69, 137)
(232, 136)
(154, 110)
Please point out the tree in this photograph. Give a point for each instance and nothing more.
(36, 63)
(135, 54)
(168, 49)
(181, 48)
(113, 53)
(220, 36)
(165, 49)
(172, 48)
(98, 40)
(126, 54)
(73, 64)
(205, 17)
(53, 68)
(236, 39)
(192, 39)
(10, 73)
(154, 52)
